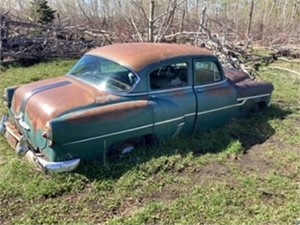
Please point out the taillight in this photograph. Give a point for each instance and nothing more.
(47, 134)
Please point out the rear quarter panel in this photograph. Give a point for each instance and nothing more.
(89, 133)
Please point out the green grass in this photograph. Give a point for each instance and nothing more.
(245, 172)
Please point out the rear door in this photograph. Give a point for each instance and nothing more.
(172, 93)
(216, 99)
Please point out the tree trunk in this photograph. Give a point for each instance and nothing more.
(151, 21)
(203, 18)
(250, 20)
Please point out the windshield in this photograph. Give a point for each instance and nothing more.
(104, 74)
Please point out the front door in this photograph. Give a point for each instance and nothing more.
(216, 99)
(172, 93)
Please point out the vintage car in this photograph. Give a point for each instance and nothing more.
(120, 96)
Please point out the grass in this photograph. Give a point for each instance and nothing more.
(247, 172)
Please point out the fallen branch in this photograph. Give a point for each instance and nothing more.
(289, 60)
(283, 69)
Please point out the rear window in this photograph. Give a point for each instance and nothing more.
(104, 74)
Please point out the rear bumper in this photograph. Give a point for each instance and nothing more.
(20, 144)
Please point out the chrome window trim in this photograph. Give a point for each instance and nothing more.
(131, 94)
(211, 84)
(171, 90)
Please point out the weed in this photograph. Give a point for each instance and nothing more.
(189, 180)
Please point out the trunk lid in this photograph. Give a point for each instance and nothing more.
(37, 103)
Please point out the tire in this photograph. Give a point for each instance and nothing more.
(250, 108)
(124, 148)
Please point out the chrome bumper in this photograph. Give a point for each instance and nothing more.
(46, 166)
(23, 150)
(2, 124)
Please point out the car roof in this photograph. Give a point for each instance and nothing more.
(139, 55)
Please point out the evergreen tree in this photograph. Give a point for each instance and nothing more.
(40, 12)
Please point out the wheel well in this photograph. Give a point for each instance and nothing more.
(151, 140)
(148, 139)
(262, 105)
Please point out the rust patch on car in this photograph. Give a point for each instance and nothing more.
(236, 76)
(21, 92)
(244, 86)
(139, 55)
(180, 93)
(220, 91)
(54, 102)
(105, 98)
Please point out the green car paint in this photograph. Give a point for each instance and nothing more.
(167, 98)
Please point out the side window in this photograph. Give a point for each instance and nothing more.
(206, 72)
(169, 76)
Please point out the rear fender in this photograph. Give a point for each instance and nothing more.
(89, 133)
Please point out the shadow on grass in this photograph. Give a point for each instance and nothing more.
(248, 132)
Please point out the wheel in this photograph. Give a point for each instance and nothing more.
(124, 148)
(249, 108)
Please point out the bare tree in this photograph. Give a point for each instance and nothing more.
(151, 21)
(250, 20)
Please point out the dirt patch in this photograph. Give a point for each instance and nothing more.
(130, 206)
(212, 172)
(169, 193)
(252, 162)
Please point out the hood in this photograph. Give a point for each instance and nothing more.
(236, 76)
(44, 100)
(245, 86)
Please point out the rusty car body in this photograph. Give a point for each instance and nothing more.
(120, 96)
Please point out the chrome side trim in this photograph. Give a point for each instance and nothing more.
(190, 114)
(222, 108)
(243, 101)
(169, 121)
(179, 129)
(108, 135)
(254, 96)
(41, 89)
(130, 130)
